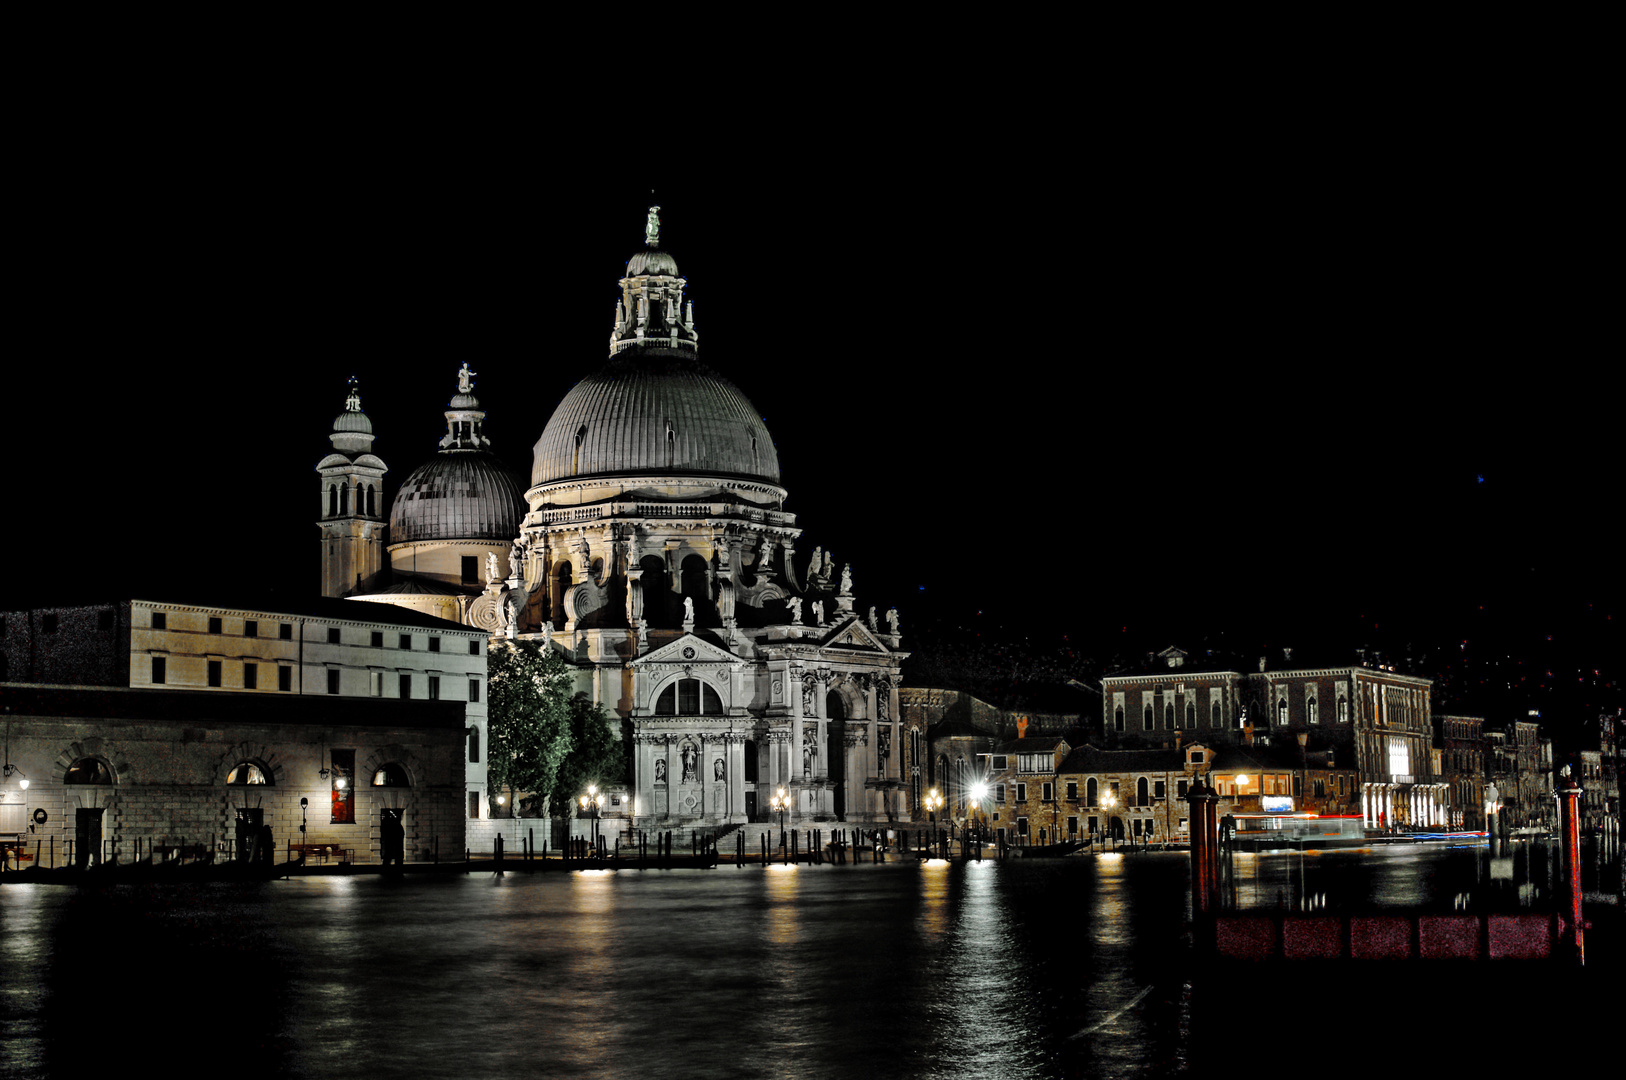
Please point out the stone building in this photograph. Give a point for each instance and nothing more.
(1463, 768)
(657, 557)
(258, 664)
(1376, 720)
(118, 772)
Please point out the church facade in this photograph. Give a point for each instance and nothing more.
(653, 552)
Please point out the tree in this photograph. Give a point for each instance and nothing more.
(529, 716)
(598, 754)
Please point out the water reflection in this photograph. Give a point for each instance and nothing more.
(1033, 968)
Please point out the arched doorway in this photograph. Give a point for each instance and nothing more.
(835, 752)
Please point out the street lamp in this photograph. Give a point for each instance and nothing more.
(780, 803)
(979, 792)
(1109, 802)
(594, 801)
(934, 802)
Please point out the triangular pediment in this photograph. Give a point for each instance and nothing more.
(687, 649)
(854, 635)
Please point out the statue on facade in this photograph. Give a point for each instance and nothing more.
(892, 621)
(818, 613)
(688, 611)
(652, 227)
(795, 606)
(689, 757)
(660, 770)
(873, 625)
(547, 634)
(847, 580)
(516, 559)
(718, 770)
(465, 378)
(491, 567)
(815, 564)
(883, 746)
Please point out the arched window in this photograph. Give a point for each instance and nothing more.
(1142, 798)
(392, 775)
(689, 697)
(1118, 718)
(372, 505)
(750, 761)
(88, 771)
(1191, 715)
(1146, 719)
(1168, 716)
(1092, 790)
(1281, 712)
(344, 499)
(1214, 715)
(247, 772)
(332, 500)
(1310, 711)
(474, 744)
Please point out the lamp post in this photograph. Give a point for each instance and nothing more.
(594, 801)
(974, 818)
(780, 803)
(934, 802)
(1109, 802)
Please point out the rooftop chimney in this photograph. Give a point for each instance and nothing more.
(1021, 727)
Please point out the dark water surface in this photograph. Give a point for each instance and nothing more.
(1034, 968)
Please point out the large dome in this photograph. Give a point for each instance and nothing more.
(458, 495)
(654, 412)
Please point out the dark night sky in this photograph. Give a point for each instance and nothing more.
(1234, 377)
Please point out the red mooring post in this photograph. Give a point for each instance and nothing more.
(1204, 858)
(1569, 798)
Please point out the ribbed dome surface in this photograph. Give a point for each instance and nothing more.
(616, 421)
(357, 421)
(458, 495)
(653, 261)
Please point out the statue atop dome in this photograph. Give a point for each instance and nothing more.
(465, 379)
(652, 227)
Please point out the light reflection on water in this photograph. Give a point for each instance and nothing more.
(1032, 968)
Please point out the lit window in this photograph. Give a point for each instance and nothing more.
(391, 775)
(247, 772)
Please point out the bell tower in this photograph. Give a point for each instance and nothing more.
(352, 520)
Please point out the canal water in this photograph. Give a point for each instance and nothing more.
(1035, 968)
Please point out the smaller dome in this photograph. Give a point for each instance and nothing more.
(353, 422)
(653, 261)
(458, 495)
(464, 401)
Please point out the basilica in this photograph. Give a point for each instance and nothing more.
(652, 551)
